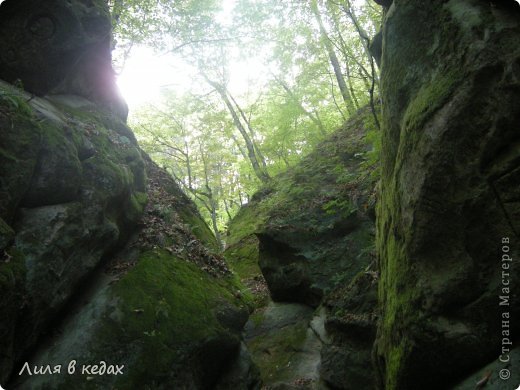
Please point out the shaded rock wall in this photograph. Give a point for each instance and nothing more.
(163, 306)
(311, 231)
(60, 47)
(351, 323)
(73, 190)
(318, 227)
(450, 172)
(102, 256)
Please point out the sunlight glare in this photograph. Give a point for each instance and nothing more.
(146, 73)
(225, 16)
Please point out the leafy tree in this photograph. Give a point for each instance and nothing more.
(221, 143)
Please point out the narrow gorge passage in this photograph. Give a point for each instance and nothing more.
(259, 195)
(284, 346)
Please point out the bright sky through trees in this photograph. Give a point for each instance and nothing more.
(225, 94)
(146, 73)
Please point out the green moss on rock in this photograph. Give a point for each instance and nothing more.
(162, 286)
(242, 257)
(138, 202)
(314, 222)
(77, 190)
(199, 228)
(448, 88)
(273, 352)
(18, 153)
(430, 98)
(6, 234)
(168, 322)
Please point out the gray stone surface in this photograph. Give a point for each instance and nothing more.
(450, 156)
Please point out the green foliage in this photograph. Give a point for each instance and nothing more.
(341, 207)
(291, 102)
(15, 102)
(159, 23)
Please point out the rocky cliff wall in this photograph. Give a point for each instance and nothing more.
(311, 234)
(73, 190)
(102, 256)
(60, 47)
(449, 207)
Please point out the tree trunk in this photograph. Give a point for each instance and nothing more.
(333, 59)
(365, 40)
(315, 119)
(252, 155)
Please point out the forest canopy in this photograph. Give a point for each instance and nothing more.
(268, 80)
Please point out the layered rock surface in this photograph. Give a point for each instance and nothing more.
(311, 234)
(91, 274)
(314, 223)
(449, 206)
(102, 256)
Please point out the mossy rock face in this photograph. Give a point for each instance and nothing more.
(314, 223)
(73, 190)
(174, 206)
(58, 172)
(448, 204)
(351, 323)
(19, 147)
(161, 320)
(163, 308)
(6, 234)
(283, 346)
(242, 257)
(310, 232)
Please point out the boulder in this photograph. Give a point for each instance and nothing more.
(57, 47)
(318, 226)
(311, 231)
(74, 189)
(156, 321)
(351, 323)
(449, 208)
(106, 266)
(87, 281)
(283, 345)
